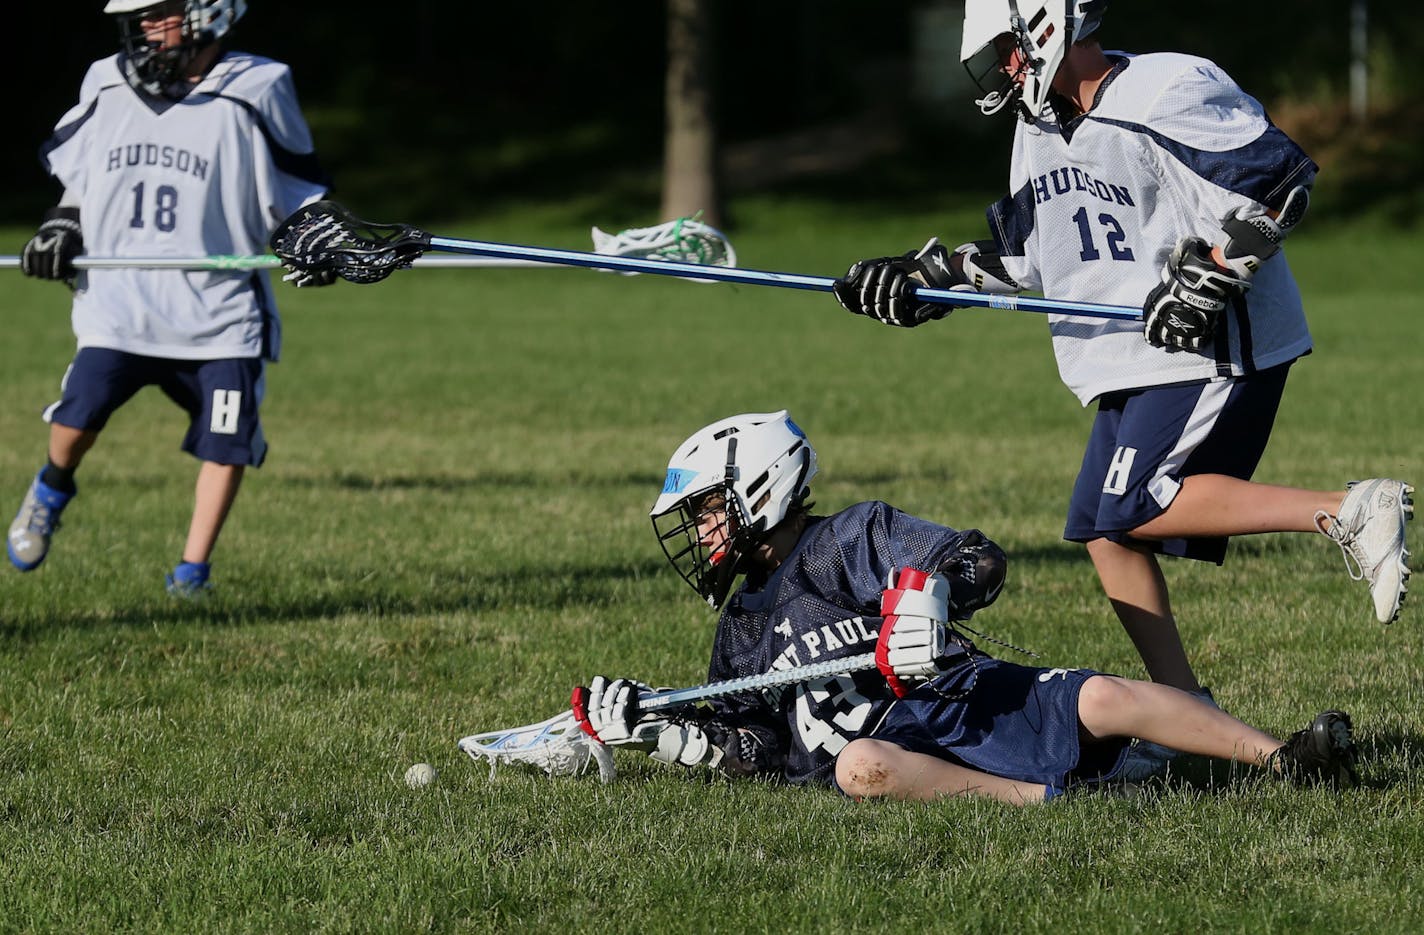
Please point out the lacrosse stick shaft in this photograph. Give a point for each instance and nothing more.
(754, 277)
(657, 701)
(265, 261)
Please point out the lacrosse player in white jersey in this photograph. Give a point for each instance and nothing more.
(177, 147)
(1150, 180)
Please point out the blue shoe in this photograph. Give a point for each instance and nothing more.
(28, 542)
(188, 579)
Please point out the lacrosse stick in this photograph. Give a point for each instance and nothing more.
(560, 748)
(685, 240)
(323, 236)
(227, 262)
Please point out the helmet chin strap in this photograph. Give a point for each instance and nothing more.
(994, 101)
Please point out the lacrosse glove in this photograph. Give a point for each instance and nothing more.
(883, 288)
(912, 636)
(607, 710)
(51, 251)
(1180, 314)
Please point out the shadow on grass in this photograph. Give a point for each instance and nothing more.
(1390, 758)
(449, 592)
(347, 480)
(1384, 761)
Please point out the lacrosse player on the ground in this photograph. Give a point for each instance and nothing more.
(1175, 194)
(939, 717)
(176, 147)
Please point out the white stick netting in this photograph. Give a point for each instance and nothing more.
(557, 746)
(684, 240)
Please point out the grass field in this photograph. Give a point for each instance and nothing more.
(451, 532)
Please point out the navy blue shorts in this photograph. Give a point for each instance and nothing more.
(1145, 441)
(1014, 721)
(221, 397)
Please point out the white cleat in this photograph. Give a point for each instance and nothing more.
(1370, 532)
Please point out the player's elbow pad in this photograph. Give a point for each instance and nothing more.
(1252, 239)
(991, 567)
(976, 572)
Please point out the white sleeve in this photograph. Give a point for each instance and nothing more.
(64, 155)
(288, 174)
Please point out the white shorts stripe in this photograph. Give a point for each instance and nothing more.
(1163, 486)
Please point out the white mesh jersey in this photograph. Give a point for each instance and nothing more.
(1170, 147)
(211, 174)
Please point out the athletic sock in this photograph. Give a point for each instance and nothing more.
(58, 478)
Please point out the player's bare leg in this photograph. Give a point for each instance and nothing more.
(1371, 534)
(1109, 706)
(213, 498)
(1210, 505)
(214, 494)
(869, 768)
(1134, 585)
(68, 446)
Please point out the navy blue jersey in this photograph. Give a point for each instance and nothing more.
(822, 602)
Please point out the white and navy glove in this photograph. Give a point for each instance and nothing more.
(309, 278)
(883, 288)
(607, 710)
(51, 251)
(1180, 314)
(912, 636)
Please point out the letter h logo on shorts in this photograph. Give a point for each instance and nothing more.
(1119, 471)
(227, 408)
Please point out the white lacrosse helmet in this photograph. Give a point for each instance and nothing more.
(159, 71)
(1041, 29)
(756, 468)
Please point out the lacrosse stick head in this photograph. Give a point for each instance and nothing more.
(684, 240)
(558, 746)
(324, 236)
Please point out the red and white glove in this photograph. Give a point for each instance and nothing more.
(912, 637)
(607, 710)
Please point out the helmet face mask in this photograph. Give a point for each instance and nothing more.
(727, 488)
(706, 540)
(990, 66)
(1031, 37)
(155, 60)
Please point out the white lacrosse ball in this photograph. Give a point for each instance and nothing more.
(420, 775)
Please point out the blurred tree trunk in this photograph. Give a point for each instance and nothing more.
(690, 144)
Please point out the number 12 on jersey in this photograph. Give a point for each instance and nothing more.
(1115, 237)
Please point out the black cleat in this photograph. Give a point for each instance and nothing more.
(1322, 753)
